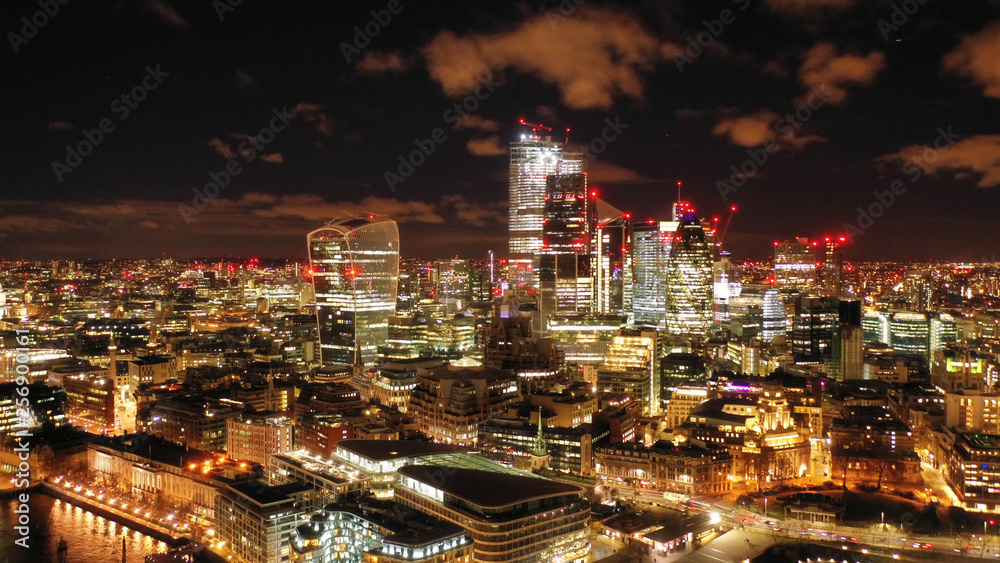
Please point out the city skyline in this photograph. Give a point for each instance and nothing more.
(322, 111)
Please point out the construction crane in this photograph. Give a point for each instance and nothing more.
(725, 228)
(535, 127)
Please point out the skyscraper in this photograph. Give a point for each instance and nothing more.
(564, 262)
(795, 264)
(355, 264)
(532, 160)
(613, 266)
(688, 304)
(651, 243)
(775, 323)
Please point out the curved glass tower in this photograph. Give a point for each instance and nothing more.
(689, 295)
(355, 267)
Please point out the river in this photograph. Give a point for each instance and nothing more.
(91, 538)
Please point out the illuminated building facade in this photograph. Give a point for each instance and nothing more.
(651, 244)
(355, 266)
(583, 337)
(812, 328)
(256, 437)
(564, 262)
(665, 467)
(613, 267)
(795, 264)
(972, 468)
(688, 304)
(90, 402)
(449, 403)
(631, 369)
(775, 323)
(532, 160)
(193, 421)
(255, 520)
(520, 518)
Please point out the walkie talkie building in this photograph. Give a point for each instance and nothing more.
(354, 262)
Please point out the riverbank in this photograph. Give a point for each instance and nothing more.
(161, 533)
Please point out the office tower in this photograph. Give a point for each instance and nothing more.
(564, 261)
(688, 283)
(918, 287)
(775, 323)
(812, 329)
(725, 285)
(256, 436)
(910, 333)
(355, 265)
(532, 160)
(944, 331)
(830, 264)
(651, 243)
(847, 346)
(613, 266)
(631, 369)
(795, 264)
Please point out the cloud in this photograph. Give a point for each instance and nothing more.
(592, 57)
(273, 158)
(978, 155)
(775, 68)
(472, 213)
(476, 122)
(754, 130)
(165, 12)
(829, 72)
(490, 146)
(61, 126)
(600, 172)
(375, 62)
(977, 57)
(244, 80)
(222, 148)
(314, 116)
(546, 113)
(808, 9)
(149, 224)
(747, 131)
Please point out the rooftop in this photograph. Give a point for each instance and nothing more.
(487, 488)
(386, 450)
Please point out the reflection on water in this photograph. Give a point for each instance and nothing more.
(91, 538)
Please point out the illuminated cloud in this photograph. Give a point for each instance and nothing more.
(591, 56)
(754, 130)
(314, 116)
(375, 62)
(977, 57)
(273, 158)
(222, 148)
(165, 13)
(478, 123)
(490, 146)
(824, 69)
(976, 156)
(600, 173)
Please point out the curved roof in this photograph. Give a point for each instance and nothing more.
(487, 488)
(386, 450)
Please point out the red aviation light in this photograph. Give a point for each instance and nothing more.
(715, 219)
(843, 239)
(775, 243)
(593, 193)
(628, 215)
(733, 208)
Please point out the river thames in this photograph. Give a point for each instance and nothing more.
(91, 538)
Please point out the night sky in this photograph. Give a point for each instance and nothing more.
(216, 74)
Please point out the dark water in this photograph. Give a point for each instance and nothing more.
(91, 538)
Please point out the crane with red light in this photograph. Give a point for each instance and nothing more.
(535, 127)
(725, 228)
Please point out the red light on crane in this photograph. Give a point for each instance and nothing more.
(593, 193)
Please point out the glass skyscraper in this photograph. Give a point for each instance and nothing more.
(651, 244)
(775, 323)
(355, 265)
(688, 304)
(564, 262)
(532, 160)
(795, 264)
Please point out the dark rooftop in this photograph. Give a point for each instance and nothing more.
(488, 488)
